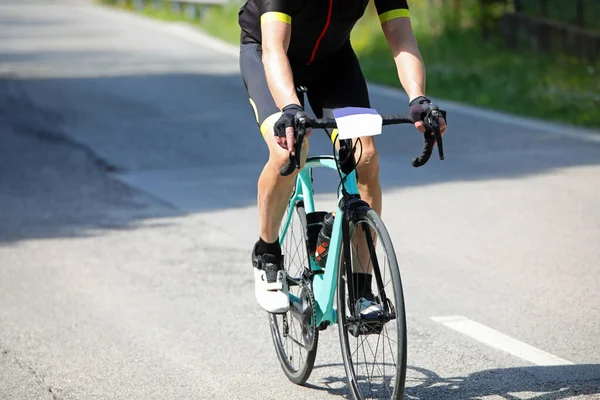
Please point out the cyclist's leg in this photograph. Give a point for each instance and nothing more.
(274, 190)
(345, 86)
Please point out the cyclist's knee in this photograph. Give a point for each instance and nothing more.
(278, 159)
(278, 156)
(368, 163)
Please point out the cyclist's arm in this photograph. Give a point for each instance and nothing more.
(276, 32)
(397, 28)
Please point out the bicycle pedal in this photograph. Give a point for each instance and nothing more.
(323, 325)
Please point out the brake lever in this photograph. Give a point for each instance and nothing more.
(300, 127)
(293, 161)
(432, 123)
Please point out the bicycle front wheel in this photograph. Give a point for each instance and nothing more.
(294, 333)
(373, 345)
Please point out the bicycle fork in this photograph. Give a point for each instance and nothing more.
(357, 323)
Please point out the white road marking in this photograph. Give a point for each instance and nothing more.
(500, 341)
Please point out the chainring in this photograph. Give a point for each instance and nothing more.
(309, 328)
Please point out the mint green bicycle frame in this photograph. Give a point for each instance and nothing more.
(324, 284)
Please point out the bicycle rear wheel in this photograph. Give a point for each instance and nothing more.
(373, 350)
(294, 334)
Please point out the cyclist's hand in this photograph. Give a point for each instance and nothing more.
(284, 127)
(418, 107)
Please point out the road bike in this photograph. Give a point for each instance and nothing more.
(374, 347)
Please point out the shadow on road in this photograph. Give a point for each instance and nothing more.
(532, 383)
(190, 140)
(88, 125)
(539, 383)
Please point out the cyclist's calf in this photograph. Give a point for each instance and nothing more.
(367, 169)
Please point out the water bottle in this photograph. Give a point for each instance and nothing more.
(323, 241)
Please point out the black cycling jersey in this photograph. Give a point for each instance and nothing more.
(319, 27)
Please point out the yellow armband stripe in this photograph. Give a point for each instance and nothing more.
(393, 14)
(275, 16)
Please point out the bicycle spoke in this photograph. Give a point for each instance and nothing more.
(383, 352)
(375, 355)
(295, 337)
(385, 335)
(374, 360)
(293, 257)
(297, 246)
(294, 244)
(391, 349)
(295, 356)
(357, 356)
(366, 364)
(361, 343)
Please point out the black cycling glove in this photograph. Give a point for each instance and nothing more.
(287, 119)
(418, 108)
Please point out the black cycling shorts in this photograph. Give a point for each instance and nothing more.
(335, 81)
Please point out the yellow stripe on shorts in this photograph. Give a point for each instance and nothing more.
(253, 104)
(269, 122)
(393, 14)
(334, 134)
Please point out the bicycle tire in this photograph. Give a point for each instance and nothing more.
(297, 245)
(352, 368)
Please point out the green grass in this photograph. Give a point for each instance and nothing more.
(218, 21)
(461, 66)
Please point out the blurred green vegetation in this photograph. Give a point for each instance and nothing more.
(583, 13)
(220, 21)
(461, 64)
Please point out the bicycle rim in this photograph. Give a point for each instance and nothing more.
(296, 352)
(374, 353)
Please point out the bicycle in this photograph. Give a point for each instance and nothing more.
(312, 289)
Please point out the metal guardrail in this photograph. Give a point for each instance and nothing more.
(193, 9)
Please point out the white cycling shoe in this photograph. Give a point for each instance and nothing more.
(270, 285)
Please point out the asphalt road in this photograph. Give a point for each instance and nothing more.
(128, 166)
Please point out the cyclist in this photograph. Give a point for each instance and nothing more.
(290, 43)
